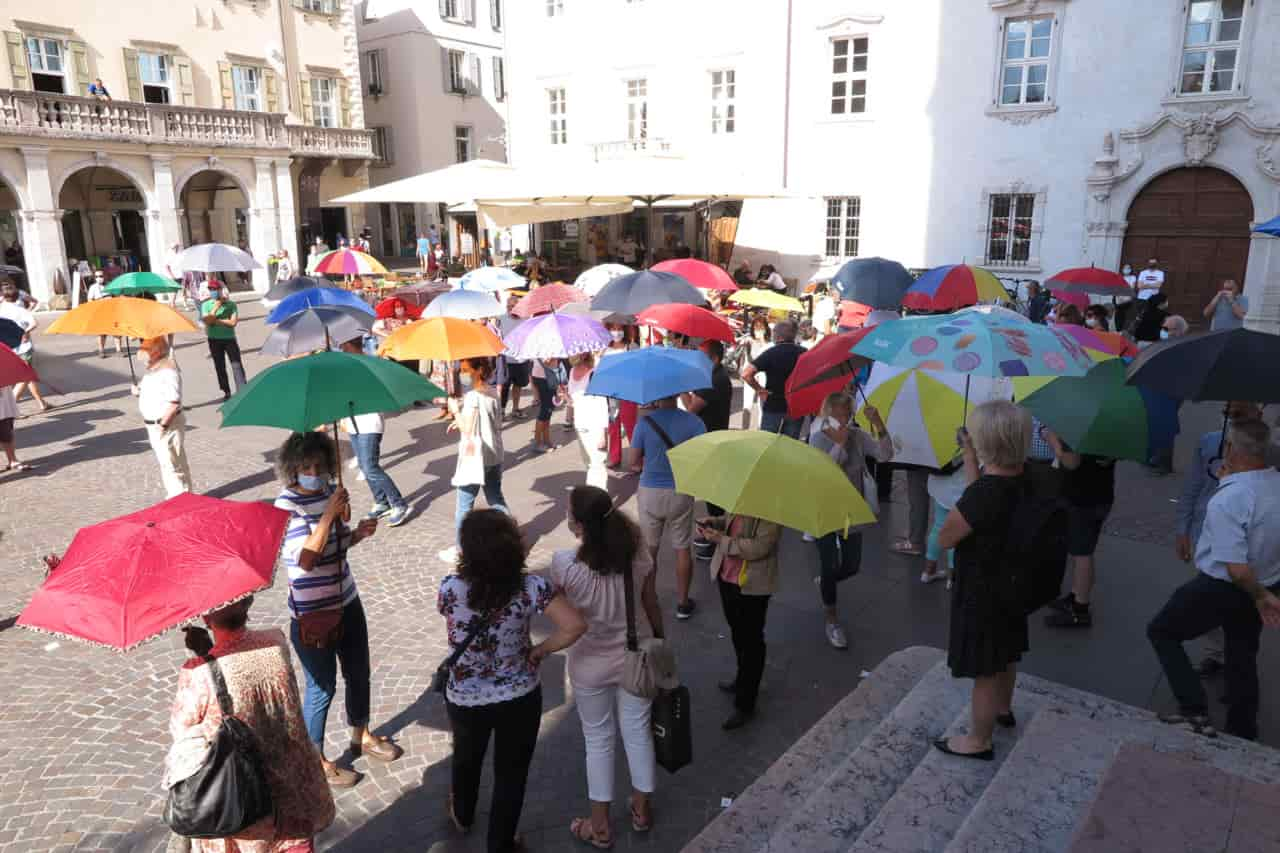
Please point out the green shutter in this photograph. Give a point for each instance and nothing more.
(344, 102)
(80, 62)
(304, 89)
(186, 82)
(272, 87)
(16, 45)
(227, 85)
(132, 74)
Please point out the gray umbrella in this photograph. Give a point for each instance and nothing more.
(877, 282)
(290, 286)
(316, 328)
(631, 294)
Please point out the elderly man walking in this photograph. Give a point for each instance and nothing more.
(1238, 556)
(159, 395)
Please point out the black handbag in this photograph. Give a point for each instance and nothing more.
(672, 728)
(440, 678)
(229, 792)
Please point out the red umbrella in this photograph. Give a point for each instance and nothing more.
(698, 273)
(124, 581)
(826, 368)
(853, 314)
(1090, 280)
(687, 320)
(386, 309)
(1071, 297)
(13, 369)
(549, 297)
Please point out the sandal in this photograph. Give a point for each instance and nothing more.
(931, 577)
(1198, 723)
(340, 777)
(579, 824)
(380, 748)
(902, 546)
(638, 823)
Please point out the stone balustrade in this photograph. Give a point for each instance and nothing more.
(40, 114)
(624, 148)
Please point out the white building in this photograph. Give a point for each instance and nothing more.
(1024, 135)
(435, 94)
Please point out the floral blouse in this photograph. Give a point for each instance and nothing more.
(495, 667)
(264, 695)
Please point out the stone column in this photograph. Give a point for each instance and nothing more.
(1262, 284)
(264, 225)
(45, 253)
(163, 227)
(288, 215)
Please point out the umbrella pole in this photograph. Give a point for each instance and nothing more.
(964, 418)
(129, 353)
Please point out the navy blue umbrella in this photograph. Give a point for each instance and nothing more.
(313, 296)
(1271, 226)
(652, 373)
(10, 333)
(876, 282)
(631, 294)
(1229, 364)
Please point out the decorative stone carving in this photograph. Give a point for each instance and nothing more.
(1109, 144)
(1021, 116)
(1200, 139)
(848, 21)
(1267, 160)
(212, 160)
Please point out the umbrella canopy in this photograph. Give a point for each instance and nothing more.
(1070, 297)
(125, 315)
(347, 262)
(557, 335)
(216, 257)
(769, 476)
(1271, 226)
(976, 343)
(10, 333)
(549, 297)
(133, 283)
(14, 369)
(653, 373)
(877, 282)
(127, 580)
(698, 273)
(302, 393)
(421, 294)
(1101, 344)
(584, 309)
(316, 329)
(289, 286)
(465, 305)
(443, 338)
(762, 297)
(631, 294)
(826, 368)
(386, 309)
(492, 279)
(316, 296)
(1090, 280)
(10, 269)
(593, 280)
(687, 320)
(951, 287)
(1229, 364)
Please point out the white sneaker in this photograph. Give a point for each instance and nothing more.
(809, 537)
(449, 555)
(836, 637)
(353, 463)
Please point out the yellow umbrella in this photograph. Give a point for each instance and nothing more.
(766, 299)
(441, 339)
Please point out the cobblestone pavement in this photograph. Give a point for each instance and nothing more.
(83, 732)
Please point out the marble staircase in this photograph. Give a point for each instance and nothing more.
(865, 778)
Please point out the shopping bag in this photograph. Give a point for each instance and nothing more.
(672, 728)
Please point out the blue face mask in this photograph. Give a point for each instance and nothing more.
(1164, 334)
(312, 483)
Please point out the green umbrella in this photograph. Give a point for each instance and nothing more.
(1096, 413)
(133, 283)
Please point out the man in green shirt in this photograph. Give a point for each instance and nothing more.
(220, 316)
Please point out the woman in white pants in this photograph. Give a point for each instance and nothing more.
(590, 578)
(591, 421)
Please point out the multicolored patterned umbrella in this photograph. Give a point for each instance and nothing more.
(348, 262)
(1102, 345)
(955, 286)
(557, 335)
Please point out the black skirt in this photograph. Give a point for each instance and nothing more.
(985, 636)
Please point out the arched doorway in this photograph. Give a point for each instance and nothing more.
(103, 222)
(12, 252)
(1195, 221)
(215, 210)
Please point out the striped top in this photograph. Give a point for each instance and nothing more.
(329, 585)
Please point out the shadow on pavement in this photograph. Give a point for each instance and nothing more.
(61, 425)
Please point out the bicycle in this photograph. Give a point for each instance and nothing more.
(1014, 288)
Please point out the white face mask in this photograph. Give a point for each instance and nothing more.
(1127, 270)
(1091, 322)
(758, 334)
(466, 380)
(1164, 334)
(617, 334)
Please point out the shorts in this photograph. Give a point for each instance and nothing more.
(1084, 526)
(6, 430)
(546, 398)
(518, 373)
(662, 509)
(26, 356)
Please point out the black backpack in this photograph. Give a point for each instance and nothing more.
(1035, 554)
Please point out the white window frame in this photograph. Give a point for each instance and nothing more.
(558, 115)
(982, 246)
(837, 219)
(724, 100)
(456, 11)
(495, 15)
(164, 64)
(37, 62)
(499, 78)
(1025, 63)
(457, 71)
(459, 137)
(555, 8)
(324, 110)
(636, 90)
(1211, 48)
(846, 81)
(375, 79)
(247, 98)
(320, 7)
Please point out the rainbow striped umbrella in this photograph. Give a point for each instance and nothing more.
(347, 262)
(954, 286)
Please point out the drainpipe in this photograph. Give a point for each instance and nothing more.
(786, 104)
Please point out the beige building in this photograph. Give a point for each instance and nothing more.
(225, 121)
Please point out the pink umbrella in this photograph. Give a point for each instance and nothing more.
(549, 297)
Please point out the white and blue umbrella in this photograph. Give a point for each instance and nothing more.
(592, 281)
(492, 279)
(216, 257)
(465, 305)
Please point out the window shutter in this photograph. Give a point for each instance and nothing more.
(132, 75)
(444, 8)
(471, 12)
(495, 14)
(444, 69)
(186, 82)
(473, 84)
(271, 87)
(344, 102)
(227, 86)
(80, 61)
(304, 88)
(16, 46)
(499, 80)
(388, 149)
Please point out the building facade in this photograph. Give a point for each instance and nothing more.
(1027, 136)
(435, 94)
(122, 135)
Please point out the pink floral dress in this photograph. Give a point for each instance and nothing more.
(264, 695)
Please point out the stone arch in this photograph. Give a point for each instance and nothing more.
(180, 182)
(102, 220)
(9, 182)
(148, 195)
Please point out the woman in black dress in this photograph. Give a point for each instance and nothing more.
(988, 636)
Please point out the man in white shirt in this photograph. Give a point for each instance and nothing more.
(825, 308)
(1150, 280)
(173, 269)
(98, 290)
(159, 394)
(12, 309)
(630, 250)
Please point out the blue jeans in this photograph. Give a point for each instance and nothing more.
(368, 447)
(770, 421)
(546, 398)
(492, 494)
(841, 557)
(321, 669)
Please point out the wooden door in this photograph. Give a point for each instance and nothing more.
(1195, 221)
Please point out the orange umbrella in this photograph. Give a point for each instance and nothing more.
(441, 339)
(126, 316)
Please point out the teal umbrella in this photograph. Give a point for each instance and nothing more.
(1096, 413)
(134, 283)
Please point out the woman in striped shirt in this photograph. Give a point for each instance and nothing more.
(328, 626)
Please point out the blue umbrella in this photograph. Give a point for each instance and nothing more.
(313, 297)
(877, 282)
(492, 279)
(631, 294)
(465, 305)
(1271, 226)
(649, 374)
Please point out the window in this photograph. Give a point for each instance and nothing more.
(849, 75)
(381, 145)
(1009, 228)
(723, 100)
(555, 8)
(458, 11)
(637, 109)
(46, 60)
(373, 71)
(559, 120)
(457, 71)
(495, 14)
(322, 101)
(1211, 49)
(247, 84)
(323, 7)
(153, 72)
(843, 221)
(462, 142)
(1024, 71)
(499, 79)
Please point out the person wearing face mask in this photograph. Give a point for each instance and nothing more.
(1148, 320)
(622, 413)
(1227, 308)
(1150, 280)
(159, 394)
(777, 364)
(1096, 317)
(758, 341)
(1123, 305)
(478, 422)
(220, 316)
(590, 420)
(1174, 326)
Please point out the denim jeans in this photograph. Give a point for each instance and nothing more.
(492, 494)
(321, 669)
(840, 557)
(368, 447)
(770, 421)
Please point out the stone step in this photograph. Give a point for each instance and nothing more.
(748, 824)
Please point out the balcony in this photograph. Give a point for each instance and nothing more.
(625, 148)
(40, 114)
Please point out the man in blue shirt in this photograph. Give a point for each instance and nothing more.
(661, 507)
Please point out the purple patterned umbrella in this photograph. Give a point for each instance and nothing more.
(556, 335)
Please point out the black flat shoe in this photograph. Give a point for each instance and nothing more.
(1007, 721)
(737, 720)
(988, 754)
(728, 686)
